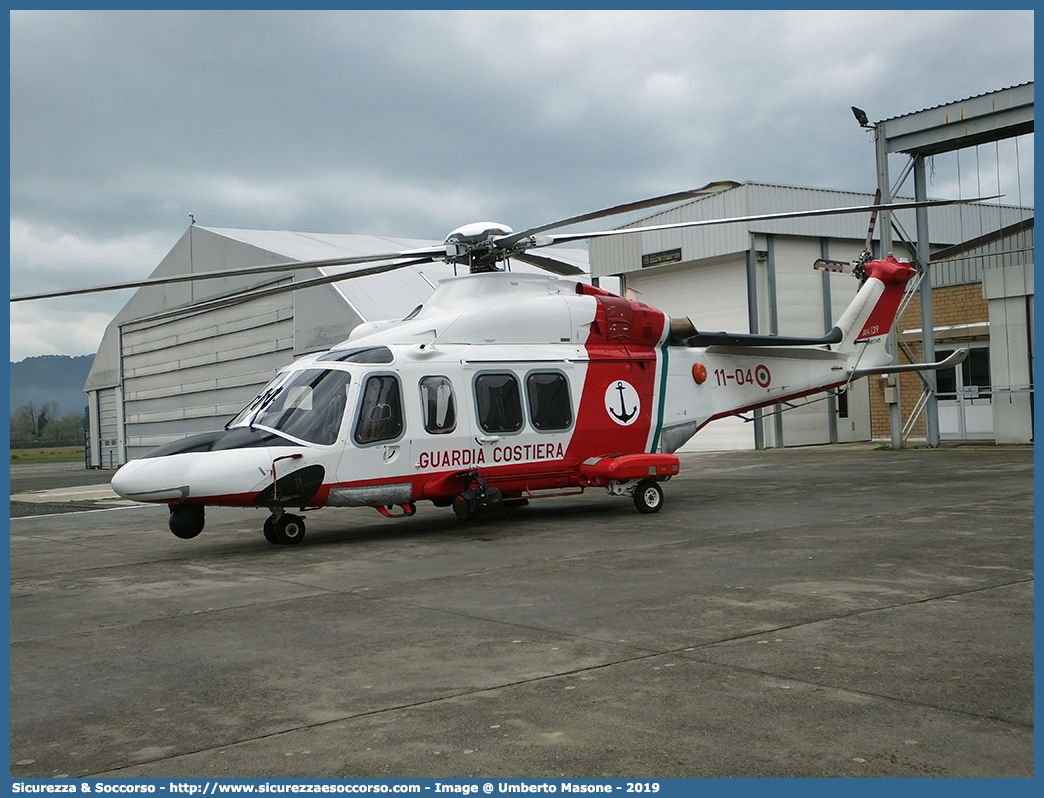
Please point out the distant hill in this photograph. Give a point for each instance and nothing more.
(47, 378)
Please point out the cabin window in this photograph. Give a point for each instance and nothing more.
(499, 402)
(440, 412)
(549, 405)
(380, 410)
(308, 406)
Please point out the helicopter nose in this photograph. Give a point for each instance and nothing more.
(148, 481)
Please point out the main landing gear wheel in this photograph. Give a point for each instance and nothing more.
(462, 508)
(285, 530)
(648, 497)
(186, 520)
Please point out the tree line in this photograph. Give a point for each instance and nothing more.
(44, 425)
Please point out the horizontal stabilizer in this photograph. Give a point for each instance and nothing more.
(955, 359)
(742, 339)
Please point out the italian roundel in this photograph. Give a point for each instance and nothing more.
(762, 375)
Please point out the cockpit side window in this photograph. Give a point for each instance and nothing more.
(380, 410)
(309, 406)
(437, 401)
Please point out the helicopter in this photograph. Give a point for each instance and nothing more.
(504, 387)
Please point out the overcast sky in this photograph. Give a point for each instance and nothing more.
(412, 123)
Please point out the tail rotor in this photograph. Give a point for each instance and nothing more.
(857, 266)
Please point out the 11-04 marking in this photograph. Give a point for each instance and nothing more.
(740, 376)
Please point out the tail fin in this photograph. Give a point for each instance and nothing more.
(866, 322)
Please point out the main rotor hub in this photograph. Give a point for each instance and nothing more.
(475, 244)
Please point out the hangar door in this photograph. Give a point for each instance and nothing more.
(191, 373)
(106, 450)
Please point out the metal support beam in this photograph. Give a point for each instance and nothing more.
(957, 125)
(753, 328)
(773, 303)
(884, 225)
(931, 409)
(828, 323)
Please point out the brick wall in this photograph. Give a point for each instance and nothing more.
(951, 305)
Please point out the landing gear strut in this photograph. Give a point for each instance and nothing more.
(648, 496)
(283, 528)
(186, 520)
(646, 493)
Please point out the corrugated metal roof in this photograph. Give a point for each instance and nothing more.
(317, 246)
(957, 102)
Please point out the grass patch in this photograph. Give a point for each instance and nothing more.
(50, 454)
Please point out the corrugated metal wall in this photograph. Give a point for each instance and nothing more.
(1013, 250)
(191, 374)
(713, 295)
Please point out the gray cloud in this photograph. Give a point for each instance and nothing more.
(412, 123)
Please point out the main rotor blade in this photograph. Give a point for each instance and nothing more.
(552, 265)
(678, 196)
(251, 295)
(294, 265)
(562, 238)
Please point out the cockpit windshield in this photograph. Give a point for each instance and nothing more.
(309, 405)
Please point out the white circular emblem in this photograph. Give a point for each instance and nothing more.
(622, 403)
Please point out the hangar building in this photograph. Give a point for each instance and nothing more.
(758, 277)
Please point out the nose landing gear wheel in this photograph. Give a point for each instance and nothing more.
(186, 520)
(285, 529)
(648, 497)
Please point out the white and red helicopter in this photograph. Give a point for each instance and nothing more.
(503, 387)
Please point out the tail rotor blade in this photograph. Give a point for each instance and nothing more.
(836, 266)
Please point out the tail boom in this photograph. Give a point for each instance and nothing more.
(713, 375)
(893, 275)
